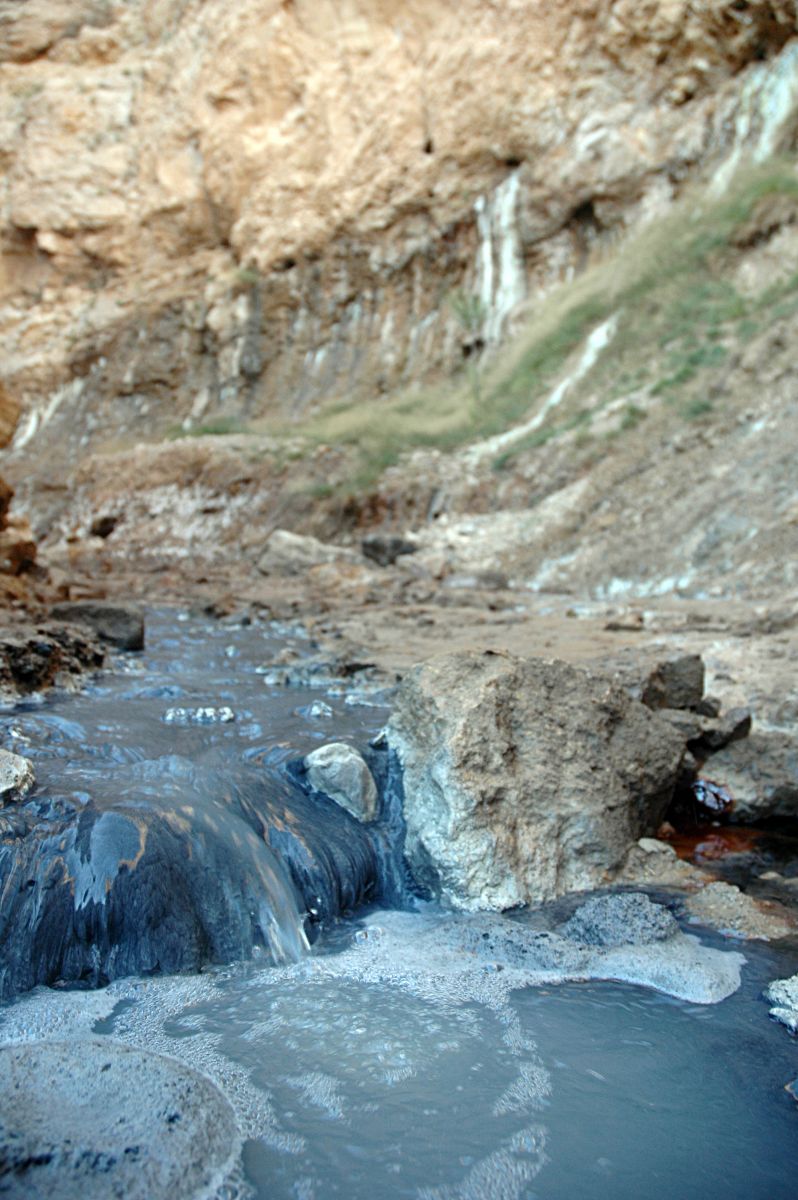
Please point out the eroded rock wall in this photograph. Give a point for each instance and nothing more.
(237, 211)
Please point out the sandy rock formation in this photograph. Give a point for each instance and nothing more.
(761, 773)
(292, 554)
(20, 579)
(524, 779)
(725, 907)
(35, 656)
(212, 210)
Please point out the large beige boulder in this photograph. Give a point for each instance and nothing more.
(524, 779)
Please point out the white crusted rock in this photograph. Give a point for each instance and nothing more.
(16, 777)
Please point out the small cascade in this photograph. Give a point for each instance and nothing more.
(768, 100)
(394, 882)
(501, 280)
(162, 838)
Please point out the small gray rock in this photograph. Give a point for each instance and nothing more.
(97, 1119)
(121, 625)
(718, 732)
(622, 920)
(385, 548)
(16, 776)
(783, 995)
(761, 772)
(707, 735)
(341, 773)
(675, 683)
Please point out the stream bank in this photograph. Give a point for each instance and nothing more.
(393, 1011)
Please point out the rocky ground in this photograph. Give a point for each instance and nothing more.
(515, 381)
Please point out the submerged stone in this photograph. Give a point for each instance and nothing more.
(101, 1120)
(626, 919)
(522, 956)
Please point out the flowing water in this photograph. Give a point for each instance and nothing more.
(389, 1061)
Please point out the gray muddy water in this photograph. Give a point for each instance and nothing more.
(389, 1061)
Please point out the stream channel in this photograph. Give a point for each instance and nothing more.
(378, 1064)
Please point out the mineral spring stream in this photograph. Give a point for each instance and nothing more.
(390, 1059)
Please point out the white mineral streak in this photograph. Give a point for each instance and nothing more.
(501, 282)
(598, 341)
(767, 101)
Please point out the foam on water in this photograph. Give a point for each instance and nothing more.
(403, 1059)
(413, 1054)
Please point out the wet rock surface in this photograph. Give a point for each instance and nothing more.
(340, 772)
(663, 958)
(17, 777)
(524, 779)
(109, 1121)
(212, 872)
(782, 994)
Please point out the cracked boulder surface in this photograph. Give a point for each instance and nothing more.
(524, 779)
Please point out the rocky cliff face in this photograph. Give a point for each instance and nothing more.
(213, 211)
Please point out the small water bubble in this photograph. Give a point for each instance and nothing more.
(199, 716)
(318, 710)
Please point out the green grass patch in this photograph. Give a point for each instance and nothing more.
(698, 407)
(632, 416)
(678, 310)
(220, 427)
